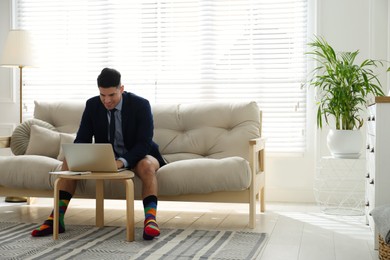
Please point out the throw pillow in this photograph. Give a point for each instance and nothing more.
(65, 139)
(21, 135)
(43, 142)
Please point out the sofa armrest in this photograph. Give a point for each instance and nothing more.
(5, 141)
(256, 163)
(256, 153)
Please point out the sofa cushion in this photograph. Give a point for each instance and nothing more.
(210, 129)
(65, 116)
(203, 176)
(21, 136)
(27, 171)
(43, 142)
(65, 139)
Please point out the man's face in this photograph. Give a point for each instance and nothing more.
(111, 96)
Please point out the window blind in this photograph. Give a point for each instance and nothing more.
(175, 51)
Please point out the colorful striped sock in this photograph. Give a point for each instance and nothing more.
(151, 229)
(47, 227)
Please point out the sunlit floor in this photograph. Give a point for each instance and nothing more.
(296, 231)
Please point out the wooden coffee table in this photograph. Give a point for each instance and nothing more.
(125, 176)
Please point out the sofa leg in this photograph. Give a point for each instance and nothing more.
(252, 212)
(30, 200)
(262, 200)
(252, 219)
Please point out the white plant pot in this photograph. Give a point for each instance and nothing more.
(345, 143)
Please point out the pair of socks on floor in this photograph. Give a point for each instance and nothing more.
(151, 228)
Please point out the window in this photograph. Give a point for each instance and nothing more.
(176, 51)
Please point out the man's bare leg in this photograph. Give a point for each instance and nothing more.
(146, 171)
(67, 185)
(67, 189)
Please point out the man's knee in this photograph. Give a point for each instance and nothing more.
(148, 165)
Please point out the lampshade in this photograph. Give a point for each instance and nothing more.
(17, 50)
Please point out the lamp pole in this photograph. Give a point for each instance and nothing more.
(20, 94)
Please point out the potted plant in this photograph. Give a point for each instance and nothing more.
(343, 88)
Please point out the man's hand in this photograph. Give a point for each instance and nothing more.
(119, 164)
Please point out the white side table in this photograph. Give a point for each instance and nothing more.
(339, 186)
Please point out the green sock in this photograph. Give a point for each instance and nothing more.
(47, 227)
(151, 228)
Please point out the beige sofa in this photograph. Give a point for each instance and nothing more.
(214, 150)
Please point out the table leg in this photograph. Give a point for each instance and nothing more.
(99, 203)
(56, 209)
(129, 184)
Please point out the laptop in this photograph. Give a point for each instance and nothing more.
(87, 157)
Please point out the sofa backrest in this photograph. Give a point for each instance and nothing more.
(211, 130)
(182, 131)
(65, 116)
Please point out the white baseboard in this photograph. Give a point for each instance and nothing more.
(289, 195)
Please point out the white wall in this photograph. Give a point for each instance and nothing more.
(346, 24)
(356, 24)
(8, 106)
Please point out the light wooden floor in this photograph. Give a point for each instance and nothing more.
(296, 231)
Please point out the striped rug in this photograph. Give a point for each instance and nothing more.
(88, 242)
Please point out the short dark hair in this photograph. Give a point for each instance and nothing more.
(109, 78)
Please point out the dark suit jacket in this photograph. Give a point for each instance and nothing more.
(137, 127)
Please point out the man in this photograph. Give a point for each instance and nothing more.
(125, 120)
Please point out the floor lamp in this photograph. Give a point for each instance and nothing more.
(17, 52)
